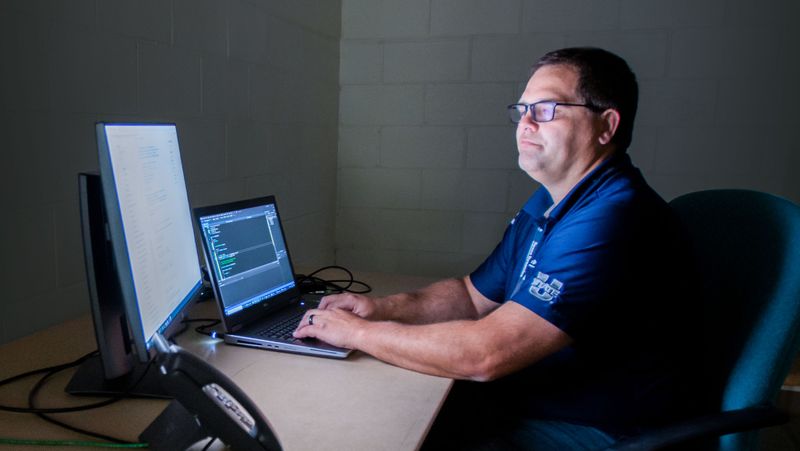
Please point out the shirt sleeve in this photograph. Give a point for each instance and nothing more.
(490, 277)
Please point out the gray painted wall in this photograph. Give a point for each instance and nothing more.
(427, 161)
(252, 86)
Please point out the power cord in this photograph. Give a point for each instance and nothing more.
(204, 329)
(35, 390)
(32, 405)
(55, 368)
(312, 284)
(41, 412)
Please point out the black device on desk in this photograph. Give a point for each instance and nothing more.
(143, 270)
(207, 403)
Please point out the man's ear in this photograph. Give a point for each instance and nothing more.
(610, 122)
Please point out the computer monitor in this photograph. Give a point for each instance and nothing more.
(141, 259)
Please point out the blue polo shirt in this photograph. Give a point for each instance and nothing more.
(603, 267)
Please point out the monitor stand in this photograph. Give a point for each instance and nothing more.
(90, 380)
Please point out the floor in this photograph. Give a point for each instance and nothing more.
(787, 436)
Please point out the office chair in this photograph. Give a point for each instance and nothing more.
(747, 249)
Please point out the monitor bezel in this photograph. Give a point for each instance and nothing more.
(142, 345)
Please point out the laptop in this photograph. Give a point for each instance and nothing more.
(252, 275)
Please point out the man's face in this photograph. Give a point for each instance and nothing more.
(558, 150)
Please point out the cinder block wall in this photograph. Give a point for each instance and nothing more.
(252, 86)
(428, 177)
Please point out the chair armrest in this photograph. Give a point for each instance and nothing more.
(707, 426)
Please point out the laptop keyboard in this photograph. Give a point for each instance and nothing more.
(283, 328)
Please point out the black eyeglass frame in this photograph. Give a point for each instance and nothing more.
(529, 107)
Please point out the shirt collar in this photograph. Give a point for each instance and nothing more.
(541, 200)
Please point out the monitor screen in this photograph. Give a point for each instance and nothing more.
(150, 225)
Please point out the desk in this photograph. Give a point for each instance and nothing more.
(313, 403)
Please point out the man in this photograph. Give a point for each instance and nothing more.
(573, 315)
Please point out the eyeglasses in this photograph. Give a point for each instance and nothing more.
(541, 111)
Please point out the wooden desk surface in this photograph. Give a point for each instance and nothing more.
(313, 403)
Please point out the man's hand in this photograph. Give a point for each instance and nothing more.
(334, 326)
(363, 306)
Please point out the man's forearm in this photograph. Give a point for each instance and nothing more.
(506, 340)
(444, 300)
(444, 349)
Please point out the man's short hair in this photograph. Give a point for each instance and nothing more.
(605, 81)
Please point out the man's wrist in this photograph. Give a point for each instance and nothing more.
(383, 309)
(361, 335)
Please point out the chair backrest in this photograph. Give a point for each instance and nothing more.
(747, 248)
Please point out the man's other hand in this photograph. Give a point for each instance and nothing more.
(363, 306)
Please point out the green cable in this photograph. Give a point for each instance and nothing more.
(27, 442)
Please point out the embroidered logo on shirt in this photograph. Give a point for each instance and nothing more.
(544, 290)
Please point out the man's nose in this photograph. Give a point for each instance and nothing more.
(527, 121)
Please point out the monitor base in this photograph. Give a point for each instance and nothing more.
(90, 380)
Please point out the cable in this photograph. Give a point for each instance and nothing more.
(331, 286)
(185, 327)
(35, 390)
(44, 370)
(55, 368)
(31, 442)
(203, 329)
(49, 372)
(180, 331)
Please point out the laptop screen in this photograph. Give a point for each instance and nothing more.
(247, 252)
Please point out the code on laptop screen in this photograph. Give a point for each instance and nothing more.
(248, 256)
